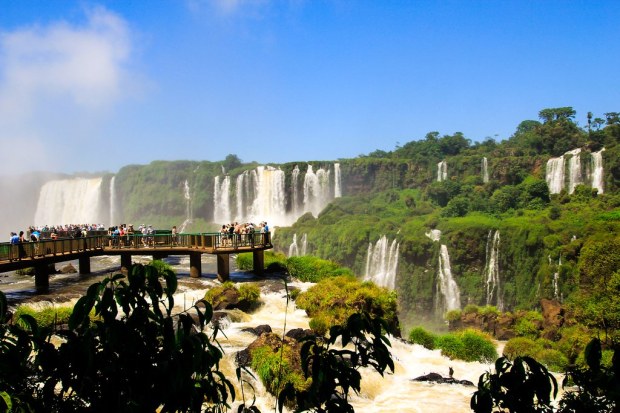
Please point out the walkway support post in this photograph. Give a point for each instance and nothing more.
(195, 265)
(41, 278)
(84, 264)
(223, 267)
(125, 262)
(258, 262)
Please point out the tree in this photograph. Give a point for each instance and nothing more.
(566, 113)
(231, 162)
(613, 118)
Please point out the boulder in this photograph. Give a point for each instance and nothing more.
(68, 269)
(258, 330)
(438, 378)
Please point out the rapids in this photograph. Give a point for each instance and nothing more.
(390, 393)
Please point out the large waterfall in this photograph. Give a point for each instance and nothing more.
(113, 201)
(70, 201)
(382, 263)
(558, 170)
(485, 170)
(448, 296)
(491, 271)
(442, 171)
(261, 195)
(597, 170)
(188, 207)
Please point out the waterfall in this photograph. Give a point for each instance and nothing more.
(434, 234)
(296, 198)
(221, 200)
(491, 270)
(485, 170)
(382, 263)
(293, 250)
(555, 175)
(556, 280)
(270, 201)
(574, 169)
(113, 201)
(337, 181)
(450, 298)
(240, 189)
(304, 244)
(69, 201)
(598, 175)
(442, 171)
(316, 190)
(188, 207)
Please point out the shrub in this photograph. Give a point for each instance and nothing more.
(423, 337)
(275, 369)
(489, 310)
(471, 309)
(249, 292)
(528, 324)
(520, 347)
(554, 360)
(477, 346)
(313, 269)
(453, 315)
(45, 317)
(451, 346)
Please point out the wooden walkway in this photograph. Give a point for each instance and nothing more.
(45, 252)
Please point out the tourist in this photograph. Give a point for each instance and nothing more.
(174, 235)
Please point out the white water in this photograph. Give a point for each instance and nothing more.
(221, 200)
(295, 193)
(442, 171)
(293, 250)
(188, 207)
(382, 263)
(70, 201)
(556, 280)
(316, 190)
(491, 271)
(555, 175)
(434, 234)
(113, 201)
(574, 169)
(598, 175)
(448, 296)
(337, 181)
(304, 244)
(485, 170)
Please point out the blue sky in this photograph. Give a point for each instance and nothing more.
(92, 86)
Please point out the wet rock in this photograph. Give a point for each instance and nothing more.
(68, 269)
(299, 333)
(438, 378)
(258, 330)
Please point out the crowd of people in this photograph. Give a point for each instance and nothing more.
(242, 233)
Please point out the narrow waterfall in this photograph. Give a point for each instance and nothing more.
(188, 207)
(295, 194)
(70, 201)
(221, 200)
(240, 198)
(448, 296)
(113, 201)
(337, 181)
(491, 271)
(556, 280)
(555, 175)
(382, 263)
(598, 175)
(574, 169)
(316, 190)
(293, 250)
(304, 244)
(434, 234)
(442, 171)
(485, 170)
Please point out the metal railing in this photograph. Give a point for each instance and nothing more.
(210, 241)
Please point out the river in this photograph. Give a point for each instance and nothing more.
(393, 392)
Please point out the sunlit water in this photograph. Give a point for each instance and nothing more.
(390, 393)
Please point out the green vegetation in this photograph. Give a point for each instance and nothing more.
(467, 345)
(276, 370)
(423, 337)
(333, 300)
(46, 317)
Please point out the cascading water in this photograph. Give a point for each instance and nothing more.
(598, 175)
(296, 196)
(221, 200)
(70, 201)
(188, 207)
(270, 202)
(434, 234)
(382, 263)
(491, 271)
(485, 170)
(304, 244)
(556, 280)
(442, 171)
(316, 190)
(337, 181)
(574, 169)
(113, 200)
(555, 175)
(448, 296)
(293, 250)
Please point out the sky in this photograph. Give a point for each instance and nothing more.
(94, 86)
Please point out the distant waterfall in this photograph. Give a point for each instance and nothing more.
(448, 296)
(270, 202)
(304, 244)
(293, 250)
(221, 200)
(555, 175)
(556, 280)
(337, 181)
(434, 234)
(295, 194)
(382, 263)
(188, 207)
(316, 190)
(574, 169)
(485, 170)
(70, 201)
(442, 171)
(597, 171)
(113, 201)
(491, 271)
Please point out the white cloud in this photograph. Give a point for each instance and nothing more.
(227, 7)
(55, 77)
